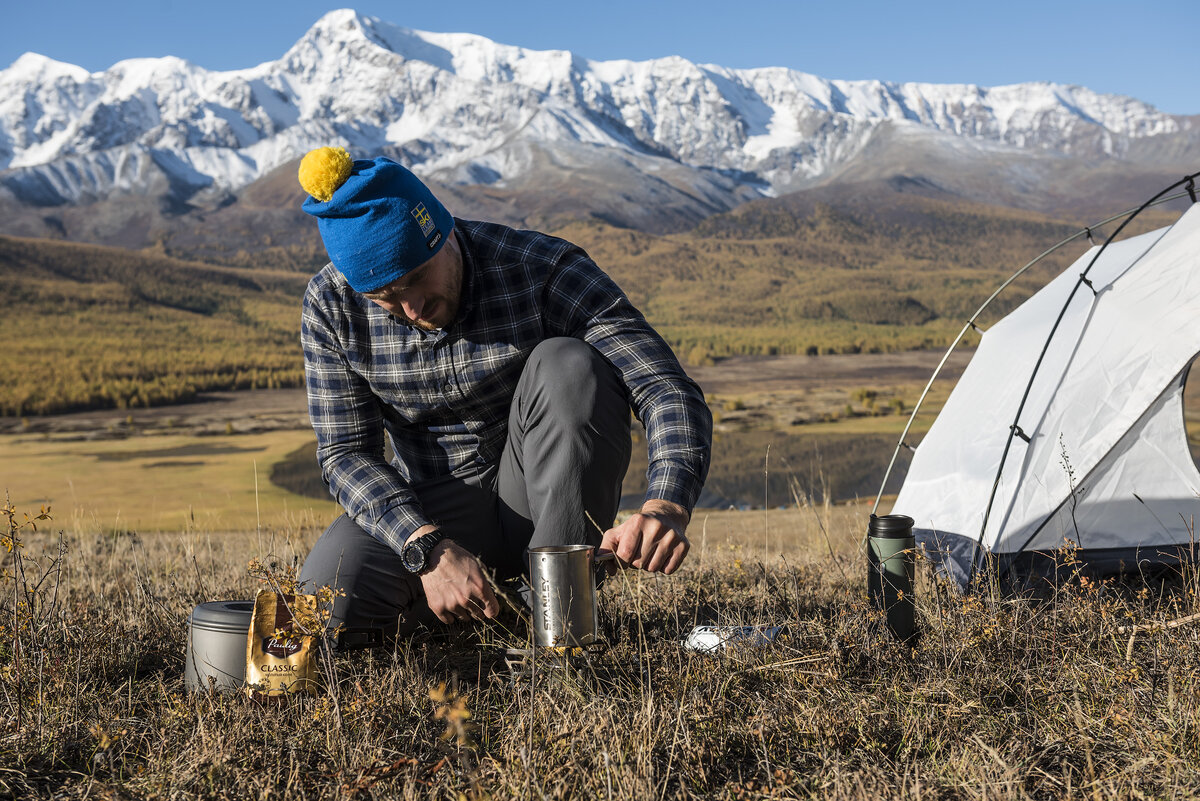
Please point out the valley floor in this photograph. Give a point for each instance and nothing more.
(285, 408)
(247, 459)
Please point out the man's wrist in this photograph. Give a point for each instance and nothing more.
(417, 555)
(669, 510)
(425, 529)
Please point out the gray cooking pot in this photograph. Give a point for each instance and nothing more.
(216, 647)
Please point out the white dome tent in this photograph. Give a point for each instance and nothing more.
(1067, 425)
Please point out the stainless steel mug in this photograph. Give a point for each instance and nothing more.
(216, 646)
(563, 578)
(890, 572)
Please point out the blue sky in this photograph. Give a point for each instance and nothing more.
(1145, 49)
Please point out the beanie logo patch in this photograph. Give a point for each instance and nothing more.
(432, 242)
(423, 218)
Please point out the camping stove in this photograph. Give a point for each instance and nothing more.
(523, 663)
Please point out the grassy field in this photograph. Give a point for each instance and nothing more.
(180, 483)
(159, 483)
(999, 699)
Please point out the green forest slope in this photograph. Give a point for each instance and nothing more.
(94, 327)
(90, 327)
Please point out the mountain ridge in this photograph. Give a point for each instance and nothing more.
(463, 111)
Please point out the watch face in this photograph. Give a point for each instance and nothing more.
(413, 558)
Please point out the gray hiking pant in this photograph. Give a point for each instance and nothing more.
(567, 451)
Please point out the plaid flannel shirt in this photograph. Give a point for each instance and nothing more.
(443, 396)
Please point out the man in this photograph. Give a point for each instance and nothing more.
(503, 365)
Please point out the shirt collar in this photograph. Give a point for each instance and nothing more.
(467, 300)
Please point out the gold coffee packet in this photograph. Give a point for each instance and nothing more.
(280, 658)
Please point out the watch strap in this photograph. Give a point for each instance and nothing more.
(424, 544)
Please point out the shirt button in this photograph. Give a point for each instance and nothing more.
(448, 388)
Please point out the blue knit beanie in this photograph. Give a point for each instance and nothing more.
(377, 219)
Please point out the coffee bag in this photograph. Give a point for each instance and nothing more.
(281, 651)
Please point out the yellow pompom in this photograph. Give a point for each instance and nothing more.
(323, 170)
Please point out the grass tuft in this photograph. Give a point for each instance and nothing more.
(1003, 698)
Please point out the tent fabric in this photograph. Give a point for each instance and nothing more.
(1107, 464)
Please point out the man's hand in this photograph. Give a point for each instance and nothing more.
(653, 539)
(455, 587)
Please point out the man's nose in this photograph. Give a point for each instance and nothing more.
(412, 304)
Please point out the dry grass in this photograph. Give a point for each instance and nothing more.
(1000, 699)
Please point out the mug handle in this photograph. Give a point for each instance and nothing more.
(599, 558)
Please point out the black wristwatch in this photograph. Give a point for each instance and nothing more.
(415, 555)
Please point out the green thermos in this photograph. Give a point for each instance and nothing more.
(890, 570)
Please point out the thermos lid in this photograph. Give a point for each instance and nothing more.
(890, 526)
(231, 616)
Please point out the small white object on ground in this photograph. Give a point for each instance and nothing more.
(711, 638)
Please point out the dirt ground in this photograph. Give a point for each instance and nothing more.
(253, 411)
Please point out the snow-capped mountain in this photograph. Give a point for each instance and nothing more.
(463, 110)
